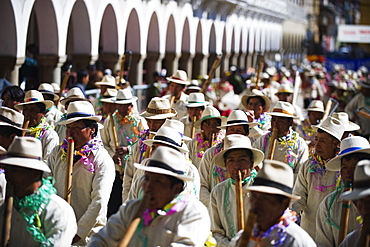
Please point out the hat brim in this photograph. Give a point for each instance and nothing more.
(251, 125)
(352, 127)
(272, 190)
(56, 97)
(71, 120)
(316, 109)
(289, 92)
(29, 163)
(205, 103)
(265, 98)
(258, 156)
(355, 194)
(335, 163)
(102, 83)
(193, 88)
(198, 123)
(177, 81)
(65, 100)
(148, 115)
(121, 102)
(150, 142)
(163, 171)
(16, 127)
(280, 114)
(2, 150)
(47, 103)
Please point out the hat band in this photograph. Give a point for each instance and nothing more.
(166, 139)
(349, 150)
(177, 78)
(45, 91)
(269, 183)
(237, 121)
(361, 184)
(31, 99)
(7, 120)
(23, 156)
(196, 102)
(154, 163)
(123, 99)
(283, 111)
(157, 111)
(78, 114)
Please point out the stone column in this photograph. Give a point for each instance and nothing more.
(82, 60)
(199, 66)
(57, 72)
(151, 65)
(47, 63)
(9, 68)
(185, 62)
(110, 60)
(171, 62)
(225, 62)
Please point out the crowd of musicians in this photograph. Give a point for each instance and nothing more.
(267, 158)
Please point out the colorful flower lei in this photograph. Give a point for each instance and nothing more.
(217, 172)
(39, 131)
(84, 151)
(131, 119)
(143, 147)
(306, 129)
(262, 120)
(203, 145)
(31, 206)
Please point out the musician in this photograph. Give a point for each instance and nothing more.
(237, 155)
(108, 81)
(360, 196)
(93, 170)
(290, 147)
(195, 106)
(34, 108)
(314, 181)
(270, 195)
(168, 218)
(176, 87)
(39, 216)
(209, 123)
(352, 150)
(157, 111)
(210, 173)
(285, 93)
(52, 114)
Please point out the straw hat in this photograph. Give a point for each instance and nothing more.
(208, 113)
(342, 85)
(177, 125)
(236, 141)
(283, 109)
(79, 110)
(194, 85)
(2, 150)
(179, 77)
(343, 117)
(25, 152)
(56, 87)
(237, 117)
(107, 80)
(316, 105)
(361, 185)
(32, 97)
(349, 145)
(284, 88)
(167, 161)
(276, 178)
(331, 126)
(168, 136)
(196, 100)
(12, 118)
(46, 88)
(256, 93)
(73, 94)
(110, 92)
(124, 96)
(159, 108)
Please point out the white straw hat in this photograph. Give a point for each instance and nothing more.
(361, 185)
(73, 94)
(79, 110)
(32, 97)
(46, 88)
(124, 96)
(256, 93)
(196, 100)
(194, 85)
(166, 161)
(179, 77)
(168, 136)
(12, 118)
(177, 125)
(342, 85)
(276, 178)
(25, 152)
(237, 117)
(283, 109)
(284, 88)
(343, 117)
(331, 126)
(107, 80)
(349, 145)
(208, 113)
(159, 108)
(316, 105)
(236, 141)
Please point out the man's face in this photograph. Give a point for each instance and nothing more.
(236, 129)
(80, 134)
(5, 141)
(255, 104)
(158, 188)
(32, 113)
(315, 117)
(124, 109)
(281, 124)
(287, 97)
(347, 169)
(175, 89)
(268, 208)
(325, 145)
(238, 160)
(195, 111)
(21, 179)
(8, 102)
(155, 124)
(209, 126)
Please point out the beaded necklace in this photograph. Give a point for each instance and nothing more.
(229, 214)
(132, 120)
(288, 141)
(39, 131)
(143, 147)
(84, 151)
(203, 145)
(31, 207)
